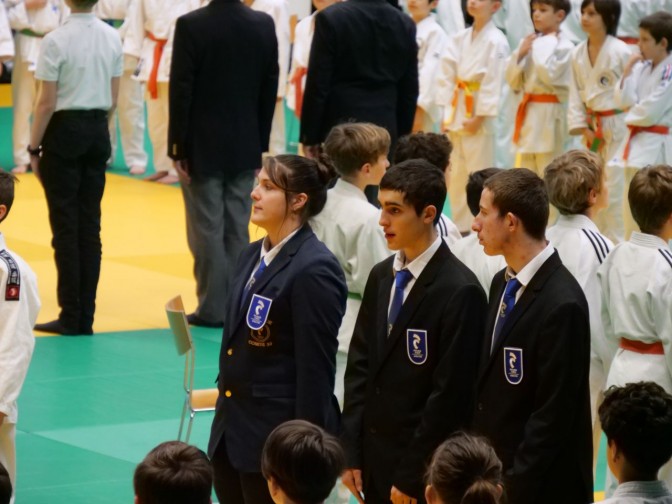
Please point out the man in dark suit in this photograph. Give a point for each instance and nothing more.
(414, 352)
(532, 398)
(223, 82)
(363, 66)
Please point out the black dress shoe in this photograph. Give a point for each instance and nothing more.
(55, 327)
(194, 319)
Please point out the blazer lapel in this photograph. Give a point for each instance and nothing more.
(235, 311)
(384, 293)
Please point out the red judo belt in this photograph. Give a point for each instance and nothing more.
(630, 40)
(153, 75)
(641, 347)
(297, 80)
(635, 130)
(522, 110)
(595, 120)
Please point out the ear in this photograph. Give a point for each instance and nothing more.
(665, 43)
(298, 202)
(561, 14)
(592, 197)
(3, 212)
(273, 487)
(512, 222)
(500, 490)
(429, 214)
(430, 495)
(136, 500)
(366, 168)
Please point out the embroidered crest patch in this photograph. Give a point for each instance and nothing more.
(257, 312)
(513, 365)
(416, 345)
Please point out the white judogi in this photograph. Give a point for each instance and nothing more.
(470, 252)
(647, 93)
(592, 87)
(348, 226)
(641, 492)
(6, 39)
(515, 20)
(431, 41)
(582, 249)
(632, 12)
(30, 26)
(571, 26)
(303, 38)
(130, 103)
(448, 230)
(480, 61)
(155, 17)
(279, 11)
(450, 16)
(17, 319)
(545, 70)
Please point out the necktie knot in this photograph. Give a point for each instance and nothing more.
(512, 287)
(508, 302)
(402, 278)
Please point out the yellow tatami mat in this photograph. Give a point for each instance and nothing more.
(146, 260)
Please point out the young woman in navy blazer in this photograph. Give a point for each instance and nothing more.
(278, 356)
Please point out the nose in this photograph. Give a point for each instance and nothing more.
(475, 226)
(255, 193)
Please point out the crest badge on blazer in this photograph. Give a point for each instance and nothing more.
(257, 312)
(513, 365)
(416, 345)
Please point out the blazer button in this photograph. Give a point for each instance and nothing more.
(480, 406)
(229, 351)
(227, 393)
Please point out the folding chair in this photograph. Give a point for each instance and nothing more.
(194, 400)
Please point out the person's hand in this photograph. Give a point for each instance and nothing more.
(526, 46)
(35, 4)
(352, 479)
(399, 497)
(471, 126)
(2, 417)
(35, 166)
(312, 151)
(634, 59)
(418, 120)
(182, 169)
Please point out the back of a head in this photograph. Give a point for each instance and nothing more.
(475, 188)
(638, 418)
(174, 473)
(7, 181)
(5, 484)
(351, 145)
(569, 179)
(431, 147)
(521, 192)
(650, 197)
(303, 460)
(466, 470)
(421, 183)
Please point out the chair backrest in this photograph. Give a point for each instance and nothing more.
(179, 325)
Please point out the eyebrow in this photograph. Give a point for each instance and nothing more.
(392, 204)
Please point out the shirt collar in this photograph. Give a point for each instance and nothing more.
(3, 245)
(348, 189)
(526, 274)
(417, 265)
(577, 222)
(648, 240)
(81, 16)
(269, 255)
(642, 488)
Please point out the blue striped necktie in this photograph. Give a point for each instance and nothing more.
(508, 302)
(252, 281)
(401, 280)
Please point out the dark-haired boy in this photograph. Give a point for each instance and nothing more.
(414, 351)
(301, 463)
(637, 420)
(532, 397)
(175, 473)
(19, 305)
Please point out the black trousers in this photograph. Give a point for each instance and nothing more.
(234, 487)
(76, 147)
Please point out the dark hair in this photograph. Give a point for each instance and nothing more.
(557, 5)
(521, 192)
(421, 183)
(465, 470)
(351, 145)
(431, 147)
(638, 418)
(475, 188)
(609, 11)
(7, 181)
(296, 174)
(659, 25)
(304, 461)
(174, 473)
(650, 197)
(5, 484)
(84, 4)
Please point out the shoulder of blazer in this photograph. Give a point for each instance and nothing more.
(545, 272)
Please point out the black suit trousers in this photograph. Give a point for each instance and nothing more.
(76, 147)
(235, 487)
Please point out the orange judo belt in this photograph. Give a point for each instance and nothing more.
(595, 120)
(158, 52)
(635, 130)
(641, 347)
(522, 110)
(297, 80)
(630, 40)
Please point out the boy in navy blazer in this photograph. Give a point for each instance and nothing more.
(414, 352)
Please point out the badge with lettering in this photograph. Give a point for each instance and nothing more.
(262, 337)
(257, 313)
(416, 345)
(513, 365)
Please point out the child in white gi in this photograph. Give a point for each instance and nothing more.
(637, 420)
(149, 38)
(450, 16)
(131, 105)
(540, 68)
(646, 91)
(435, 148)
(632, 12)
(470, 87)
(468, 249)
(19, 305)
(31, 20)
(597, 64)
(571, 26)
(636, 280)
(6, 39)
(431, 41)
(577, 188)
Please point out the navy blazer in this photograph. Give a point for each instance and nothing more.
(286, 369)
(532, 398)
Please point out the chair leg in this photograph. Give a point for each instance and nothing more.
(192, 413)
(184, 413)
